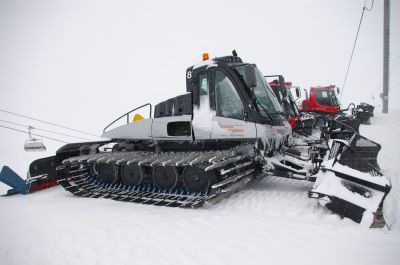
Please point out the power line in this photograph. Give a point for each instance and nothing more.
(34, 134)
(50, 123)
(26, 126)
(355, 42)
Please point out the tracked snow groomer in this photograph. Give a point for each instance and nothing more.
(323, 101)
(301, 123)
(212, 141)
(282, 93)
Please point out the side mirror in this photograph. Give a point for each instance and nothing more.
(338, 90)
(251, 78)
(305, 91)
(297, 92)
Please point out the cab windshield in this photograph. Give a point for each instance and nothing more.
(327, 98)
(289, 105)
(292, 103)
(287, 102)
(266, 101)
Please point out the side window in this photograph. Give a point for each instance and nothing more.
(322, 97)
(203, 84)
(203, 90)
(228, 103)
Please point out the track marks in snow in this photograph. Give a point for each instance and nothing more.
(275, 197)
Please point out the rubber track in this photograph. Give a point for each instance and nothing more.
(235, 164)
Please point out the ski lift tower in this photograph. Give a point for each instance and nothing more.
(386, 54)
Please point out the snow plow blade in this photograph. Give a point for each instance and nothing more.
(355, 189)
(363, 112)
(344, 122)
(356, 151)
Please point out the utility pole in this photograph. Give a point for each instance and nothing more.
(386, 47)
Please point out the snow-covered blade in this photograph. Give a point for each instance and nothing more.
(353, 193)
(355, 151)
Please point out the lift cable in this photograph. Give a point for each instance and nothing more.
(50, 123)
(33, 134)
(27, 126)
(355, 42)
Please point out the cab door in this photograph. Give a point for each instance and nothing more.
(229, 119)
(203, 114)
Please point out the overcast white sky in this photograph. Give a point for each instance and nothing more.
(82, 63)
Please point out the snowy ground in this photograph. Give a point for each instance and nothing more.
(270, 222)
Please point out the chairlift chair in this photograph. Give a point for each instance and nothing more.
(33, 144)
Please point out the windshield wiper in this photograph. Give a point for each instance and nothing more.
(254, 98)
(266, 112)
(279, 113)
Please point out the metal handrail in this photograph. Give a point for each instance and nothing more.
(127, 116)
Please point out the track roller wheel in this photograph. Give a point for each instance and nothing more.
(196, 179)
(107, 172)
(131, 175)
(165, 177)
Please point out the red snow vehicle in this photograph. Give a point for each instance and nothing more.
(281, 91)
(323, 100)
(300, 122)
